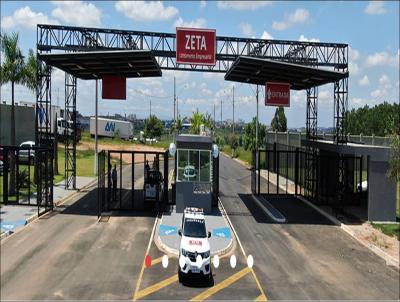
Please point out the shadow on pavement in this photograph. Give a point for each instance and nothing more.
(294, 210)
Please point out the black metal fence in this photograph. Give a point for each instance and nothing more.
(215, 180)
(281, 169)
(27, 176)
(127, 193)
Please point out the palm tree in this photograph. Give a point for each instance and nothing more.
(16, 71)
(196, 120)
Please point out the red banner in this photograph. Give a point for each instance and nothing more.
(114, 87)
(195, 46)
(277, 94)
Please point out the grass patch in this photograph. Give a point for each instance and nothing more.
(390, 229)
(84, 163)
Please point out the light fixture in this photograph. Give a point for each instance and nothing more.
(172, 149)
(215, 151)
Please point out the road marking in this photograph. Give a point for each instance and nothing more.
(227, 282)
(261, 297)
(145, 254)
(155, 287)
(155, 261)
(241, 247)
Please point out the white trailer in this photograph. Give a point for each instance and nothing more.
(111, 128)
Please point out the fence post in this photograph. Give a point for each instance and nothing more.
(259, 171)
(274, 149)
(287, 140)
(373, 139)
(360, 137)
(296, 171)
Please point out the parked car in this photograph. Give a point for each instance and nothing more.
(189, 172)
(194, 250)
(28, 155)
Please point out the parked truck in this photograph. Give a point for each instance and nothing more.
(111, 128)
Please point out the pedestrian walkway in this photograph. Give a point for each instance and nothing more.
(167, 238)
(14, 217)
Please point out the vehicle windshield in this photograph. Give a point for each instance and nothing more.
(194, 228)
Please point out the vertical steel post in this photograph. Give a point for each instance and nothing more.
(96, 150)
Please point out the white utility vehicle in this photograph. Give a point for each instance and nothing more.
(194, 250)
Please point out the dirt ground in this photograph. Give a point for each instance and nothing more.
(139, 158)
(368, 234)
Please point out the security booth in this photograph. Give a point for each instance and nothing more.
(195, 172)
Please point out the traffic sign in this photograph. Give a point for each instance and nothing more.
(277, 94)
(195, 46)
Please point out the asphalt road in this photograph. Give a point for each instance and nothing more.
(307, 257)
(69, 255)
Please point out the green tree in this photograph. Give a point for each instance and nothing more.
(233, 141)
(197, 119)
(380, 120)
(178, 125)
(249, 135)
(153, 127)
(15, 70)
(279, 122)
(394, 162)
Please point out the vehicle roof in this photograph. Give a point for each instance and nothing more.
(194, 215)
(28, 143)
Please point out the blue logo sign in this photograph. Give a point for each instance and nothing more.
(42, 114)
(11, 225)
(222, 233)
(166, 230)
(110, 126)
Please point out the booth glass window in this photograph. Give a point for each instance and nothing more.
(205, 164)
(193, 165)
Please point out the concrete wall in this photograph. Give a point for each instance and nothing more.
(24, 124)
(294, 138)
(381, 193)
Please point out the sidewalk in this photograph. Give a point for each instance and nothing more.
(14, 217)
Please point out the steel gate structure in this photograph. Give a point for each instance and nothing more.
(33, 176)
(128, 198)
(282, 170)
(162, 46)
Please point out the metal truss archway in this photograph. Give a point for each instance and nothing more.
(162, 45)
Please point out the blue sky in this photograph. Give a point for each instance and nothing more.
(370, 28)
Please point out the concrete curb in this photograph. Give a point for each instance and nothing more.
(174, 252)
(42, 211)
(376, 250)
(267, 212)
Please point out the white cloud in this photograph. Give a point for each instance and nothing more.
(384, 88)
(198, 23)
(364, 81)
(302, 38)
(382, 59)
(360, 102)
(325, 96)
(354, 54)
(354, 69)
(384, 81)
(375, 8)
(242, 5)
(25, 17)
(77, 13)
(299, 16)
(266, 35)
(246, 29)
(203, 3)
(146, 11)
